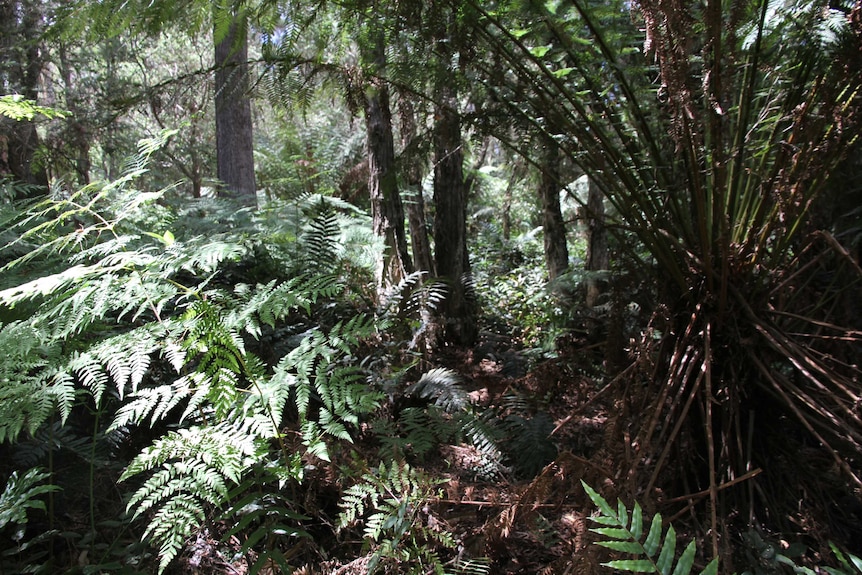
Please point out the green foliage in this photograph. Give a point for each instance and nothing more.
(263, 514)
(154, 314)
(20, 494)
(850, 564)
(192, 470)
(18, 108)
(391, 501)
(623, 531)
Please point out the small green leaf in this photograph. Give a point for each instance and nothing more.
(633, 565)
(168, 238)
(711, 569)
(654, 536)
(599, 501)
(562, 72)
(613, 532)
(637, 522)
(622, 514)
(602, 520)
(665, 560)
(623, 546)
(540, 51)
(686, 560)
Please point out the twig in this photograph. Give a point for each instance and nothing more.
(694, 497)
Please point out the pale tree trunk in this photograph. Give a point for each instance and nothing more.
(234, 142)
(21, 62)
(412, 172)
(387, 212)
(450, 224)
(554, 228)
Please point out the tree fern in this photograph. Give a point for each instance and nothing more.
(623, 531)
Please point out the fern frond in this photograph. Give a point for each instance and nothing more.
(850, 564)
(624, 532)
(444, 387)
(192, 470)
(20, 494)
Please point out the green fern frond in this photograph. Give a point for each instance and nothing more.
(850, 564)
(20, 494)
(442, 385)
(391, 499)
(192, 469)
(154, 402)
(624, 532)
(530, 447)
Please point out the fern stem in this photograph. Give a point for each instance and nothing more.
(92, 481)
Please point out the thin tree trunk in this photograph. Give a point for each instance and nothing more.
(556, 250)
(415, 207)
(234, 141)
(450, 225)
(387, 211)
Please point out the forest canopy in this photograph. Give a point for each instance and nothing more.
(453, 287)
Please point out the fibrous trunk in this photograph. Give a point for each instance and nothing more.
(387, 210)
(450, 227)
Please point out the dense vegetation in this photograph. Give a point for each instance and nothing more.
(419, 287)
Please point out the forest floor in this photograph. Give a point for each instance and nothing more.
(535, 525)
(517, 524)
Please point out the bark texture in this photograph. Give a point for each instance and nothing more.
(415, 202)
(234, 141)
(597, 244)
(450, 221)
(387, 211)
(556, 250)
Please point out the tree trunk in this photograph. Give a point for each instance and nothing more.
(450, 221)
(79, 139)
(412, 171)
(234, 143)
(21, 63)
(556, 250)
(597, 244)
(387, 212)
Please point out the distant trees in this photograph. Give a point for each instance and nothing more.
(22, 59)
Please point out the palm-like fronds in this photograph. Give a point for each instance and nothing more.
(712, 134)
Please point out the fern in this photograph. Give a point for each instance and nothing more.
(20, 494)
(193, 469)
(391, 499)
(342, 392)
(624, 532)
(850, 564)
(263, 515)
(444, 387)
